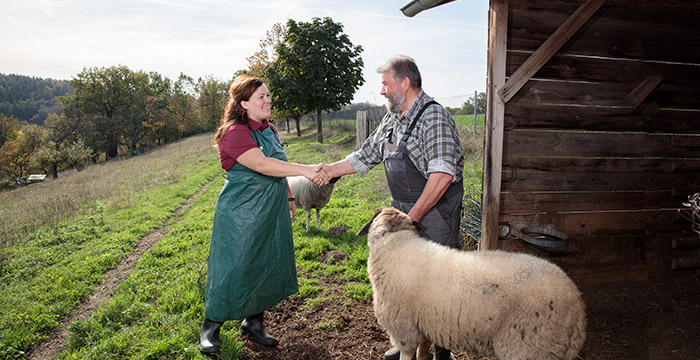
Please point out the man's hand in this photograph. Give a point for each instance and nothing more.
(435, 188)
(325, 168)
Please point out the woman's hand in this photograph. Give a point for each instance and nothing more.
(317, 174)
(292, 209)
(324, 171)
(327, 169)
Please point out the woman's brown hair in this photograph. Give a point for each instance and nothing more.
(242, 88)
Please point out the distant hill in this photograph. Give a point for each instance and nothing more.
(29, 98)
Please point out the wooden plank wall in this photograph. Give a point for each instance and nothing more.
(580, 155)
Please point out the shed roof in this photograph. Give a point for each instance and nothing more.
(416, 6)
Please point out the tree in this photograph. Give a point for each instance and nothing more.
(49, 155)
(104, 99)
(468, 106)
(263, 58)
(134, 119)
(75, 154)
(481, 103)
(182, 107)
(61, 129)
(17, 161)
(31, 99)
(157, 119)
(317, 68)
(9, 127)
(212, 100)
(267, 53)
(115, 106)
(46, 157)
(9, 130)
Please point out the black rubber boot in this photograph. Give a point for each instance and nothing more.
(441, 354)
(253, 326)
(209, 341)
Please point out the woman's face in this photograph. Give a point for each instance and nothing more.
(258, 106)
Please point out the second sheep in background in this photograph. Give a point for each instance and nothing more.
(311, 196)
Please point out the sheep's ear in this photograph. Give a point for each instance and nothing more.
(418, 226)
(334, 180)
(365, 229)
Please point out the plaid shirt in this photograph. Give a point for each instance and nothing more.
(433, 146)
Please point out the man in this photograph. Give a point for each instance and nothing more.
(418, 142)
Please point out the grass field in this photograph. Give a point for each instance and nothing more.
(59, 238)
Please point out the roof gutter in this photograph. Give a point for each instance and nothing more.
(416, 6)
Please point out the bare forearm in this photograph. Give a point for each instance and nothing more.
(434, 190)
(340, 168)
(255, 160)
(273, 167)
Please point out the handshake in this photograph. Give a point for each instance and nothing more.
(319, 174)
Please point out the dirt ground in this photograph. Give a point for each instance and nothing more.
(656, 321)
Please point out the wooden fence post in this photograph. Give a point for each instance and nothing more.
(361, 128)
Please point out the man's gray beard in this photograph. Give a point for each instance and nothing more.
(395, 107)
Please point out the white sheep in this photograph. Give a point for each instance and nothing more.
(487, 303)
(311, 196)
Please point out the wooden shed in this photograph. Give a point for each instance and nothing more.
(593, 130)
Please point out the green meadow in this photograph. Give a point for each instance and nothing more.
(59, 237)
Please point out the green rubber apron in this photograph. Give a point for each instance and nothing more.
(251, 258)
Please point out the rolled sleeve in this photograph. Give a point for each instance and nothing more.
(370, 153)
(358, 165)
(439, 165)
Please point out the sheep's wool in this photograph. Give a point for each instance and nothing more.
(310, 196)
(487, 303)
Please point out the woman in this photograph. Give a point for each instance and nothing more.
(251, 259)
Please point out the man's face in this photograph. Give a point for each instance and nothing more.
(391, 89)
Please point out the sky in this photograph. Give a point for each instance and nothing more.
(59, 38)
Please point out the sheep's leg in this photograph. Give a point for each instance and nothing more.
(407, 354)
(318, 219)
(423, 349)
(308, 218)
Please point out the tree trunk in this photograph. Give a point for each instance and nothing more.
(112, 152)
(319, 127)
(298, 120)
(287, 125)
(54, 164)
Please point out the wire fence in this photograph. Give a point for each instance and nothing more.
(347, 117)
(470, 224)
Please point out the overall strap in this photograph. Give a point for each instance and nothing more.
(255, 136)
(409, 130)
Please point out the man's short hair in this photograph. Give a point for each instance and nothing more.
(403, 67)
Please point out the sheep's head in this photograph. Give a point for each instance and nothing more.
(387, 220)
(328, 187)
